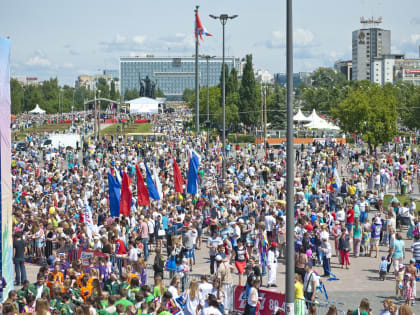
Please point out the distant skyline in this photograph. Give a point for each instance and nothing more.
(65, 39)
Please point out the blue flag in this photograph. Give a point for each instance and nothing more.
(193, 174)
(153, 193)
(114, 195)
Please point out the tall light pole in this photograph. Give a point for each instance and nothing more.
(290, 247)
(223, 19)
(197, 83)
(208, 57)
(99, 116)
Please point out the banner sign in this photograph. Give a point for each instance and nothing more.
(270, 301)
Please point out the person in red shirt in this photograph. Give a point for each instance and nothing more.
(350, 220)
(120, 247)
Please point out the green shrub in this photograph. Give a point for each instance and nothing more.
(241, 138)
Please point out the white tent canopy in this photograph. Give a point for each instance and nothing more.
(300, 116)
(317, 122)
(144, 105)
(37, 110)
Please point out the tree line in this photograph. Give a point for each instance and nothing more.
(54, 98)
(363, 108)
(243, 100)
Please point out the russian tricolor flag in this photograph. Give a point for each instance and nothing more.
(200, 28)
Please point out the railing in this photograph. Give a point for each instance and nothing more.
(321, 307)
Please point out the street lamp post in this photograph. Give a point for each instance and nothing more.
(223, 19)
(99, 115)
(208, 57)
(290, 249)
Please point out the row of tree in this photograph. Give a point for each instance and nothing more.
(362, 107)
(53, 98)
(243, 99)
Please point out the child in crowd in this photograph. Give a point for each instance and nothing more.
(383, 266)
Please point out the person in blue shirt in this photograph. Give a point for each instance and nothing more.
(383, 266)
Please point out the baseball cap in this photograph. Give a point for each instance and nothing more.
(309, 264)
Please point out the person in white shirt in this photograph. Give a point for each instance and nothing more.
(212, 308)
(272, 265)
(340, 215)
(270, 222)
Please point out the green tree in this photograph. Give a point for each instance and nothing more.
(81, 95)
(233, 81)
(276, 107)
(33, 96)
(104, 88)
(409, 106)
(16, 94)
(159, 93)
(327, 78)
(131, 94)
(113, 92)
(187, 95)
(248, 104)
(370, 112)
(50, 91)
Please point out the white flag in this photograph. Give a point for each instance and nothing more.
(87, 218)
(157, 182)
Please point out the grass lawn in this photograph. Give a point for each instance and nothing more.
(134, 128)
(402, 199)
(40, 129)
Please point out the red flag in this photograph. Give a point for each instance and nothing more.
(125, 201)
(142, 192)
(177, 178)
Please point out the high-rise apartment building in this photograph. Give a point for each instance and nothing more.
(368, 44)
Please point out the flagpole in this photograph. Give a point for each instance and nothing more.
(197, 90)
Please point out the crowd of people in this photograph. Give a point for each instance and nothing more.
(61, 208)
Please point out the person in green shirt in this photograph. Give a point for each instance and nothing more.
(124, 301)
(147, 292)
(159, 288)
(112, 285)
(35, 287)
(134, 288)
(23, 293)
(364, 308)
(66, 307)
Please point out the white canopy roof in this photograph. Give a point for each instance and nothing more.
(144, 105)
(314, 116)
(317, 122)
(300, 116)
(37, 110)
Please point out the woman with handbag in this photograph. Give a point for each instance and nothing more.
(344, 248)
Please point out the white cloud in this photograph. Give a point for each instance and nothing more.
(303, 37)
(38, 61)
(414, 38)
(131, 45)
(139, 39)
(68, 65)
(119, 38)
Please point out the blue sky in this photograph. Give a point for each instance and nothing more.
(69, 38)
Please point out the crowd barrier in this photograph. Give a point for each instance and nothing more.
(323, 307)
